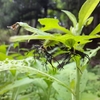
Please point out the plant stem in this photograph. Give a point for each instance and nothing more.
(77, 89)
(78, 84)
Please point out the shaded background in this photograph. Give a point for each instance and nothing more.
(30, 11)
(12, 11)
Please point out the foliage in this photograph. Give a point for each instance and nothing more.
(93, 86)
(39, 77)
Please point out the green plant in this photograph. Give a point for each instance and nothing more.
(51, 83)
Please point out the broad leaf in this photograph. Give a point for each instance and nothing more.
(62, 92)
(3, 48)
(83, 81)
(17, 83)
(89, 96)
(51, 23)
(4, 56)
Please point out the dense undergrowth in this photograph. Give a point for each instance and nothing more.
(37, 74)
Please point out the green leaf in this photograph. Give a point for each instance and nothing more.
(91, 53)
(39, 82)
(63, 93)
(30, 95)
(96, 30)
(16, 45)
(71, 17)
(28, 54)
(51, 23)
(3, 48)
(16, 56)
(15, 84)
(83, 81)
(28, 37)
(86, 10)
(77, 40)
(13, 72)
(89, 21)
(72, 84)
(70, 42)
(48, 43)
(3, 56)
(89, 96)
(32, 29)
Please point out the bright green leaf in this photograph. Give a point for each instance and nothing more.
(51, 23)
(3, 56)
(13, 72)
(86, 10)
(3, 48)
(77, 40)
(16, 44)
(89, 21)
(72, 84)
(96, 30)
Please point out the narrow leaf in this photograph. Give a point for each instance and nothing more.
(89, 21)
(71, 17)
(31, 29)
(96, 30)
(28, 37)
(86, 11)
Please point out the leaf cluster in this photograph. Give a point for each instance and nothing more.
(30, 79)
